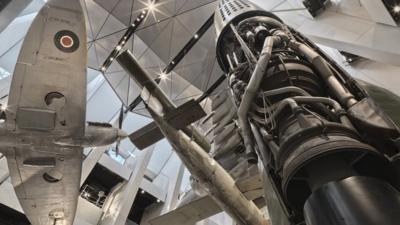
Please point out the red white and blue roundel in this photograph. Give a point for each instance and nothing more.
(66, 41)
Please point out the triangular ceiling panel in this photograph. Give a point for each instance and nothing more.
(156, 42)
(9, 59)
(179, 4)
(180, 37)
(139, 47)
(122, 89)
(93, 61)
(162, 43)
(193, 4)
(123, 11)
(108, 5)
(115, 78)
(194, 19)
(97, 17)
(150, 34)
(111, 25)
(102, 55)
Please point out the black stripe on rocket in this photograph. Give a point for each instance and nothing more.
(66, 41)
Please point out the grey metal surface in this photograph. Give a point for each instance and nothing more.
(146, 136)
(47, 101)
(386, 99)
(180, 118)
(356, 201)
(44, 202)
(49, 78)
(45, 127)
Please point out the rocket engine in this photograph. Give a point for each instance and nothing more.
(326, 147)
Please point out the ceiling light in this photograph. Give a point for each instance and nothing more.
(151, 6)
(163, 76)
(396, 9)
(119, 47)
(3, 107)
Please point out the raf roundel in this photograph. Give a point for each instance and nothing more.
(66, 41)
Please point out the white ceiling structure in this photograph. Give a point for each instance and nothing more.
(346, 25)
(173, 24)
(163, 34)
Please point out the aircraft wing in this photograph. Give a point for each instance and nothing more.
(180, 117)
(47, 101)
(48, 90)
(46, 181)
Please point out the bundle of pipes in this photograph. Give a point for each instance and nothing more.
(317, 133)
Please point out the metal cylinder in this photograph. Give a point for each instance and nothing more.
(233, 11)
(354, 201)
(324, 145)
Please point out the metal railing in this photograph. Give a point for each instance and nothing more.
(94, 196)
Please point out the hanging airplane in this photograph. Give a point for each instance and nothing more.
(44, 132)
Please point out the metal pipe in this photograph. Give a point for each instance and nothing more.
(263, 151)
(320, 64)
(292, 102)
(131, 65)
(212, 176)
(262, 19)
(299, 91)
(335, 105)
(251, 92)
(247, 52)
(270, 142)
(287, 89)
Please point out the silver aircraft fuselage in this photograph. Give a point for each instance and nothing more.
(44, 132)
